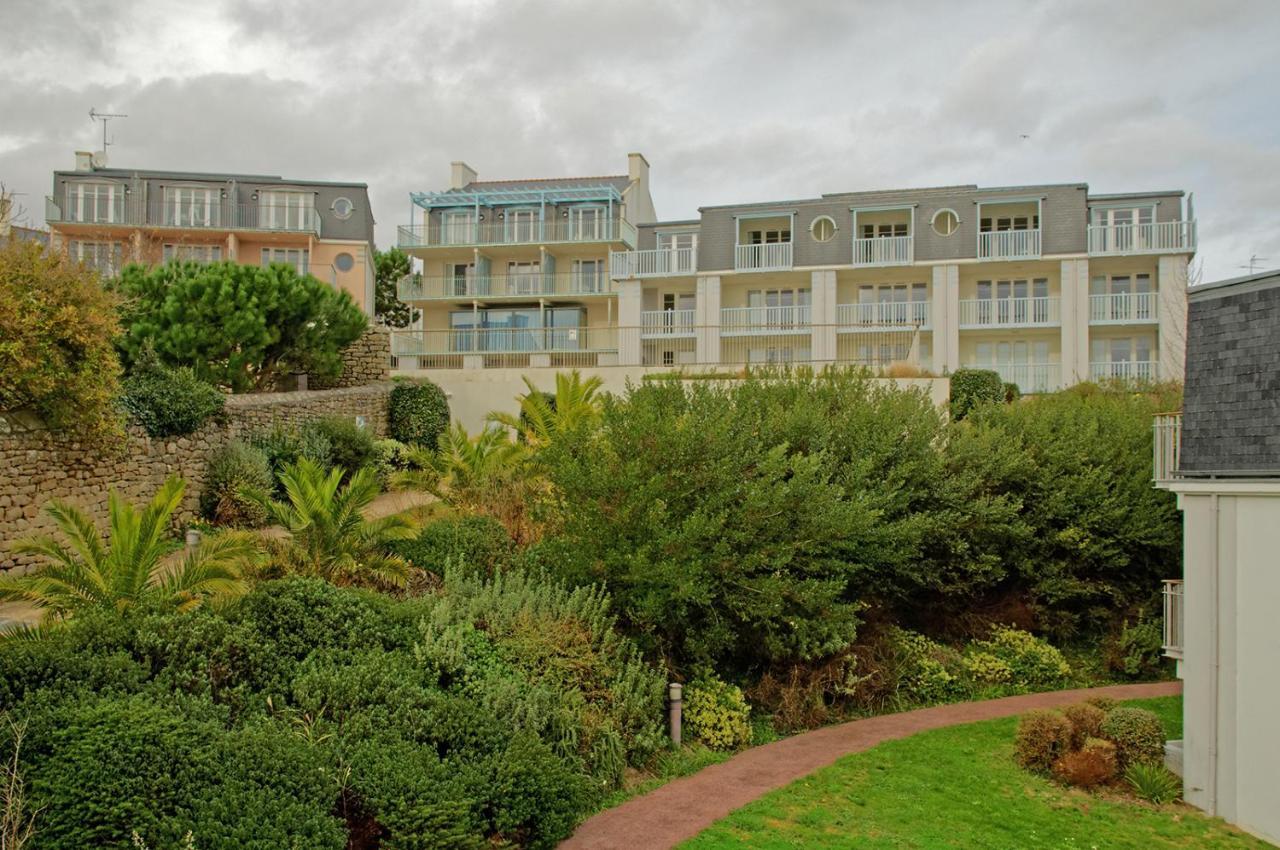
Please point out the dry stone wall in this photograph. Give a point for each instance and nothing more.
(37, 465)
(365, 361)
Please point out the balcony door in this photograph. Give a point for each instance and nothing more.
(460, 278)
(192, 206)
(524, 278)
(676, 252)
(284, 210)
(457, 227)
(522, 225)
(97, 203)
(586, 223)
(1127, 228)
(588, 276)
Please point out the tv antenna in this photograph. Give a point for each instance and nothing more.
(104, 117)
(1254, 260)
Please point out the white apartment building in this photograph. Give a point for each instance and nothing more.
(1048, 285)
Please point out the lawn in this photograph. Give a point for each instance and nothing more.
(959, 788)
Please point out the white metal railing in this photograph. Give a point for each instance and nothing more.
(736, 320)
(772, 256)
(1123, 307)
(1009, 244)
(898, 313)
(1166, 447)
(525, 340)
(1151, 238)
(659, 323)
(1030, 377)
(1173, 618)
(655, 262)
(210, 214)
(1124, 370)
(884, 251)
(997, 312)
(418, 288)
(515, 233)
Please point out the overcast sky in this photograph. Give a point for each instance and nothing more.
(730, 101)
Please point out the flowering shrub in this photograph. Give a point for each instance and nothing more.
(988, 668)
(928, 671)
(1031, 662)
(717, 713)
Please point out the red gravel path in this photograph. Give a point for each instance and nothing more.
(684, 807)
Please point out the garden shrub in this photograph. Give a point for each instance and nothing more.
(925, 670)
(1138, 651)
(390, 457)
(1093, 763)
(1103, 703)
(1086, 722)
(717, 714)
(350, 446)
(285, 445)
(57, 323)
(1011, 392)
(1153, 782)
(417, 413)
(469, 542)
(1137, 734)
(169, 402)
(1043, 737)
(1030, 661)
(232, 469)
(971, 388)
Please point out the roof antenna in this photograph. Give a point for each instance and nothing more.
(1254, 260)
(104, 117)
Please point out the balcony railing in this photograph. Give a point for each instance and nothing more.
(658, 262)
(1124, 370)
(1173, 618)
(751, 320)
(1006, 312)
(216, 215)
(773, 256)
(884, 251)
(450, 234)
(1009, 245)
(666, 323)
(1158, 237)
(890, 313)
(418, 288)
(1123, 308)
(1030, 377)
(1166, 447)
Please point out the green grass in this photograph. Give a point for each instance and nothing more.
(959, 788)
(669, 765)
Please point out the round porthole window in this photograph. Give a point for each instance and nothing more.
(343, 208)
(344, 262)
(823, 228)
(945, 222)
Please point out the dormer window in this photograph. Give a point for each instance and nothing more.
(97, 203)
(285, 210)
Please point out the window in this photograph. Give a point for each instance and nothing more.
(280, 210)
(299, 259)
(459, 276)
(521, 225)
(586, 223)
(192, 253)
(524, 278)
(344, 262)
(1001, 224)
(823, 228)
(588, 275)
(458, 227)
(945, 222)
(681, 248)
(94, 202)
(342, 208)
(192, 206)
(871, 231)
(769, 237)
(103, 257)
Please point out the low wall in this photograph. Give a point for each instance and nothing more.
(37, 465)
(365, 361)
(474, 393)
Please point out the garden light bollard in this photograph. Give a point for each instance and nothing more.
(193, 539)
(674, 696)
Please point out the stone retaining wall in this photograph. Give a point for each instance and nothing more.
(365, 361)
(37, 465)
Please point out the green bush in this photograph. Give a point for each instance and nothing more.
(1153, 782)
(1086, 722)
(1138, 652)
(284, 446)
(231, 470)
(169, 402)
(350, 446)
(717, 714)
(925, 670)
(1137, 734)
(417, 413)
(389, 457)
(1011, 392)
(474, 542)
(971, 388)
(1018, 658)
(1043, 737)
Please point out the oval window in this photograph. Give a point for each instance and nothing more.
(344, 262)
(823, 228)
(945, 222)
(343, 208)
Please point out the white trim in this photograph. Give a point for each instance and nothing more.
(934, 218)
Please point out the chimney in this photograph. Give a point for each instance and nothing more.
(462, 175)
(638, 169)
(84, 161)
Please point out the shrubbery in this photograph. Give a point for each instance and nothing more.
(972, 388)
(1087, 745)
(1017, 657)
(477, 543)
(417, 413)
(717, 713)
(1137, 734)
(1043, 737)
(232, 469)
(169, 402)
(350, 446)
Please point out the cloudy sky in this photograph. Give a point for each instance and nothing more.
(730, 101)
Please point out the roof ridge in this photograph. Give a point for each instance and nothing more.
(548, 179)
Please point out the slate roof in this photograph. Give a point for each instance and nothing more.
(1231, 407)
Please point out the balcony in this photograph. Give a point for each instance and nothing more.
(478, 234)
(508, 347)
(1030, 377)
(1009, 312)
(896, 314)
(1123, 308)
(1166, 447)
(664, 324)
(658, 262)
(1173, 618)
(1009, 245)
(1124, 370)
(884, 251)
(1161, 237)
(771, 256)
(742, 321)
(220, 215)
(495, 287)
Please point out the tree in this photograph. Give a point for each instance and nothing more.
(237, 326)
(328, 534)
(131, 569)
(56, 327)
(575, 403)
(390, 266)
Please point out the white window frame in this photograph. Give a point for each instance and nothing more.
(521, 224)
(94, 202)
(104, 256)
(192, 206)
(171, 251)
(587, 222)
(297, 258)
(283, 209)
(457, 227)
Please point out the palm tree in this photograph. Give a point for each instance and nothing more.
(131, 568)
(575, 402)
(328, 534)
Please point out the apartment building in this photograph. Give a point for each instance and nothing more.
(1221, 457)
(107, 217)
(1048, 285)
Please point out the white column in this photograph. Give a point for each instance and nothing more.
(1075, 321)
(706, 316)
(1172, 307)
(630, 303)
(945, 308)
(822, 312)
